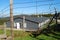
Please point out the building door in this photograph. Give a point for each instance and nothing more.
(18, 25)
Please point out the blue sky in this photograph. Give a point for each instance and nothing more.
(24, 7)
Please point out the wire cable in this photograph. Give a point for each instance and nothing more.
(34, 2)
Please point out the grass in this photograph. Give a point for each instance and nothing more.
(19, 35)
(22, 35)
(44, 37)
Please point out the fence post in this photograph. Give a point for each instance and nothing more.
(11, 19)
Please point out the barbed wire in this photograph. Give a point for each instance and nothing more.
(34, 2)
(33, 6)
(5, 9)
(39, 5)
(24, 3)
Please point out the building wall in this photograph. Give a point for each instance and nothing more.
(31, 25)
(41, 24)
(27, 24)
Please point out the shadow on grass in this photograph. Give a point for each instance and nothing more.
(52, 30)
(57, 28)
(40, 39)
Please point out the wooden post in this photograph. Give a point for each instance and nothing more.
(4, 28)
(11, 19)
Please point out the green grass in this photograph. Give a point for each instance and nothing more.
(44, 37)
(1, 31)
(21, 35)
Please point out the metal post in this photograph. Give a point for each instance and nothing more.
(11, 19)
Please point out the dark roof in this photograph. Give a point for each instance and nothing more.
(37, 19)
(33, 19)
(26, 20)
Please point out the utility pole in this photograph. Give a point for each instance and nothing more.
(11, 19)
